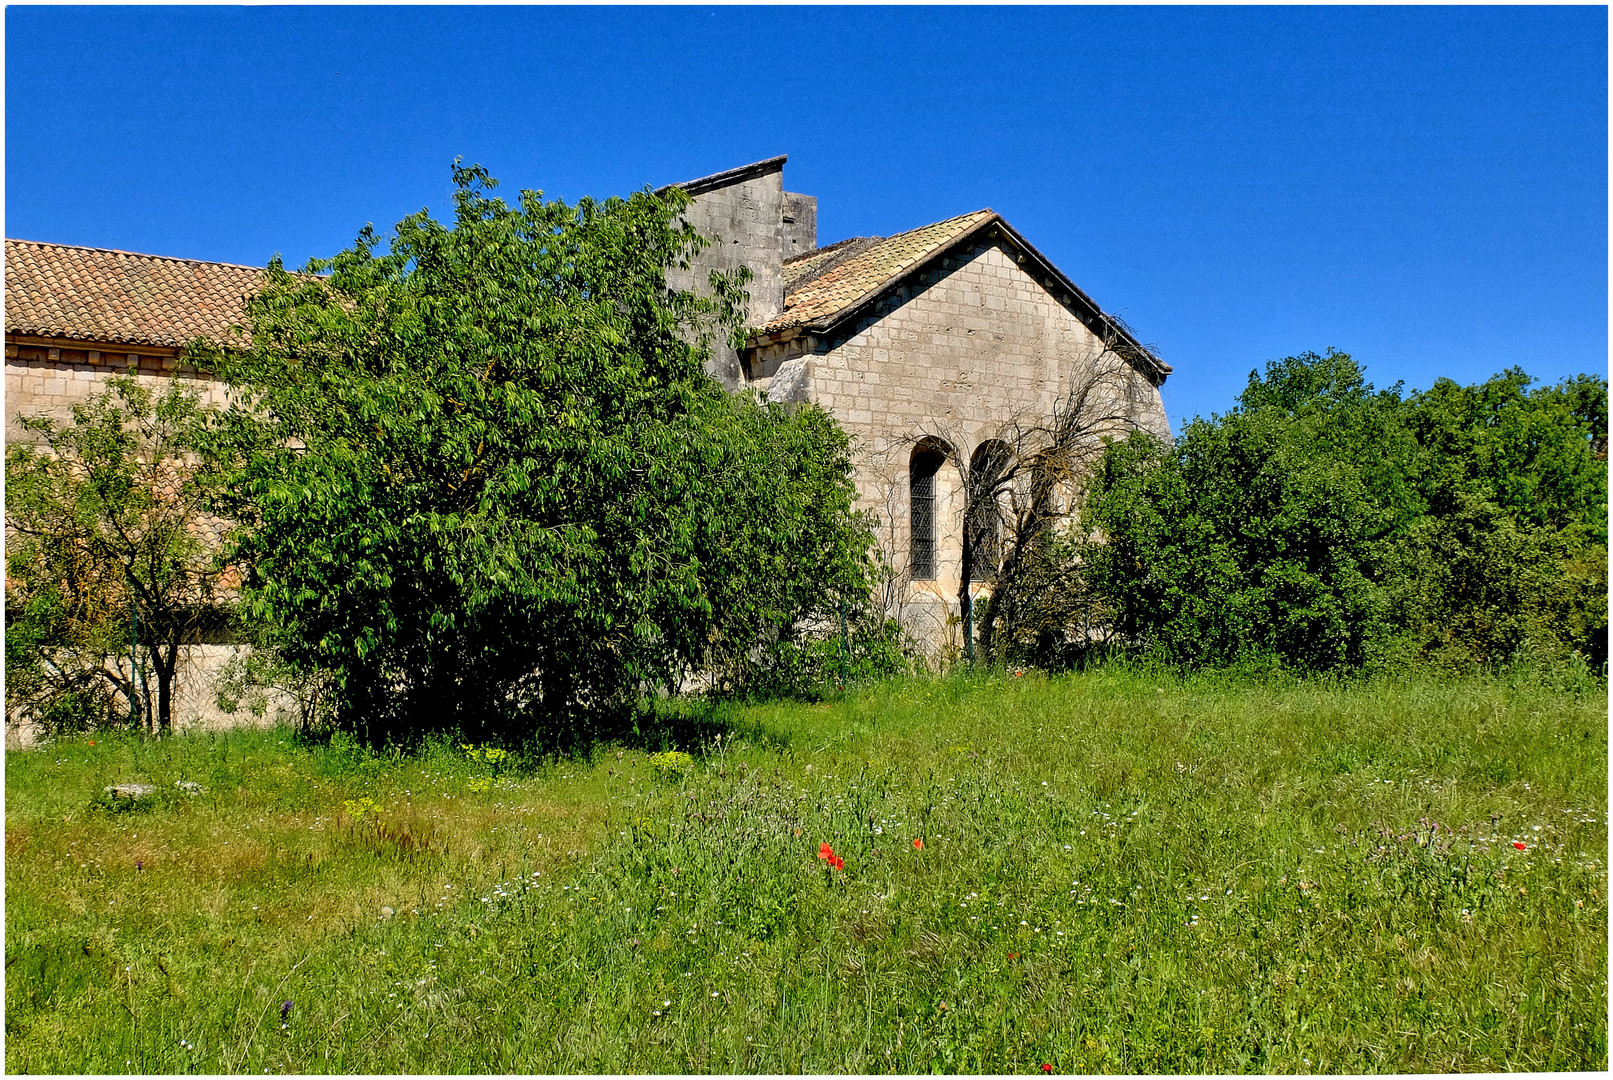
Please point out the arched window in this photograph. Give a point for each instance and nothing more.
(987, 469)
(926, 462)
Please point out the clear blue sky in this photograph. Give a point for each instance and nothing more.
(1423, 187)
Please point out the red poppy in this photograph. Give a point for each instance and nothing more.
(1520, 845)
(918, 845)
(1046, 1067)
(1013, 956)
(837, 862)
(825, 851)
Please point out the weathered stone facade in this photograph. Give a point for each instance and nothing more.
(743, 211)
(973, 348)
(949, 334)
(48, 379)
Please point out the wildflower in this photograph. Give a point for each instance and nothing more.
(918, 845)
(285, 1009)
(837, 862)
(825, 851)
(1047, 1068)
(1520, 845)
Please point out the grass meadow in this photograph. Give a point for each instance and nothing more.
(1114, 871)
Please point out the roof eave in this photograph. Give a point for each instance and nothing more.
(826, 323)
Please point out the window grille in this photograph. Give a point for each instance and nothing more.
(986, 542)
(989, 464)
(921, 498)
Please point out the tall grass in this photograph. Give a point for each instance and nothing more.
(1119, 871)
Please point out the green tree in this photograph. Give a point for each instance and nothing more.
(1538, 452)
(1514, 546)
(1477, 584)
(112, 560)
(1239, 543)
(1322, 523)
(488, 486)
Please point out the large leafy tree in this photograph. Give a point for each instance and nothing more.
(112, 560)
(488, 486)
(1322, 523)
(1513, 547)
(1238, 543)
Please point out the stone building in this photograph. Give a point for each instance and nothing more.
(931, 347)
(927, 346)
(75, 315)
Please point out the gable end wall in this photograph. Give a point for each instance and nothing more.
(959, 351)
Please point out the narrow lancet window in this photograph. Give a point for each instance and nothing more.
(921, 496)
(988, 470)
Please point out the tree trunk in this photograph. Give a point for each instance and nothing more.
(965, 601)
(988, 622)
(165, 666)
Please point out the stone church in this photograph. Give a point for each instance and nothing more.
(926, 346)
(929, 347)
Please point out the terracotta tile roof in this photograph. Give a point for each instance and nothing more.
(867, 270)
(95, 294)
(814, 263)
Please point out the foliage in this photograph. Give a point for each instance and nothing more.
(1477, 585)
(258, 679)
(817, 663)
(1122, 871)
(797, 560)
(1323, 525)
(1238, 542)
(110, 564)
(1539, 454)
(1054, 618)
(670, 765)
(490, 488)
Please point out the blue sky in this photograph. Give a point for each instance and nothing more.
(1425, 188)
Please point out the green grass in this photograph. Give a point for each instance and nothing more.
(1120, 872)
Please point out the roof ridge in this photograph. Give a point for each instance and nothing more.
(132, 254)
(943, 221)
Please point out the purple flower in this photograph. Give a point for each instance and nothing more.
(285, 1010)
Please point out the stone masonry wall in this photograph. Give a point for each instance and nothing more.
(48, 380)
(959, 355)
(195, 704)
(800, 224)
(747, 217)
